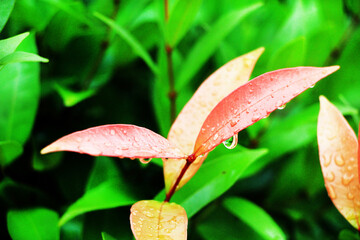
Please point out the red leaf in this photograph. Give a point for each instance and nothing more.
(253, 101)
(158, 220)
(187, 125)
(338, 150)
(118, 140)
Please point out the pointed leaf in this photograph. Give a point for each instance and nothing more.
(109, 194)
(187, 125)
(158, 220)
(117, 140)
(338, 151)
(255, 217)
(20, 56)
(9, 45)
(254, 101)
(9, 151)
(130, 39)
(71, 98)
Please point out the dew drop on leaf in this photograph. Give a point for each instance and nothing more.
(145, 160)
(231, 142)
(281, 107)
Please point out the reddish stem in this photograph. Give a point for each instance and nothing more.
(190, 159)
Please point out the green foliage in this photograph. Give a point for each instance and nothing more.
(36, 224)
(108, 64)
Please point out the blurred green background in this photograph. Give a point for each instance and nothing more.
(107, 64)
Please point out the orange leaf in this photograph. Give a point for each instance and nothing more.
(158, 220)
(187, 126)
(253, 101)
(118, 140)
(338, 150)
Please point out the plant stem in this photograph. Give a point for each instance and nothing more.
(103, 47)
(172, 93)
(189, 161)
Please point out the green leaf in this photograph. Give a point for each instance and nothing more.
(20, 56)
(19, 95)
(291, 55)
(208, 43)
(348, 235)
(104, 169)
(106, 236)
(9, 45)
(107, 195)
(255, 217)
(130, 39)
(5, 9)
(71, 98)
(45, 162)
(180, 19)
(213, 179)
(33, 224)
(9, 151)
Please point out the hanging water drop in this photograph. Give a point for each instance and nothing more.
(281, 107)
(312, 86)
(231, 142)
(145, 160)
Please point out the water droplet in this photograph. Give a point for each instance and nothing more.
(249, 101)
(231, 142)
(331, 192)
(145, 160)
(281, 107)
(212, 129)
(330, 176)
(255, 118)
(203, 130)
(312, 86)
(108, 144)
(339, 160)
(233, 122)
(216, 136)
(350, 196)
(112, 132)
(326, 159)
(251, 91)
(347, 178)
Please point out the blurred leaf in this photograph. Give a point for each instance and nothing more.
(133, 42)
(209, 42)
(348, 235)
(104, 169)
(186, 128)
(71, 98)
(106, 236)
(253, 101)
(180, 19)
(45, 162)
(19, 94)
(160, 220)
(33, 224)
(338, 153)
(290, 55)
(9, 151)
(213, 179)
(20, 56)
(9, 45)
(109, 194)
(116, 140)
(5, 9)
(30, 14)
(255, 217)
(222, 225)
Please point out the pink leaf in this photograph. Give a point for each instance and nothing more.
(118, 140)
(338, 150)
(158, 220)
(187, 125)
(253, 101)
